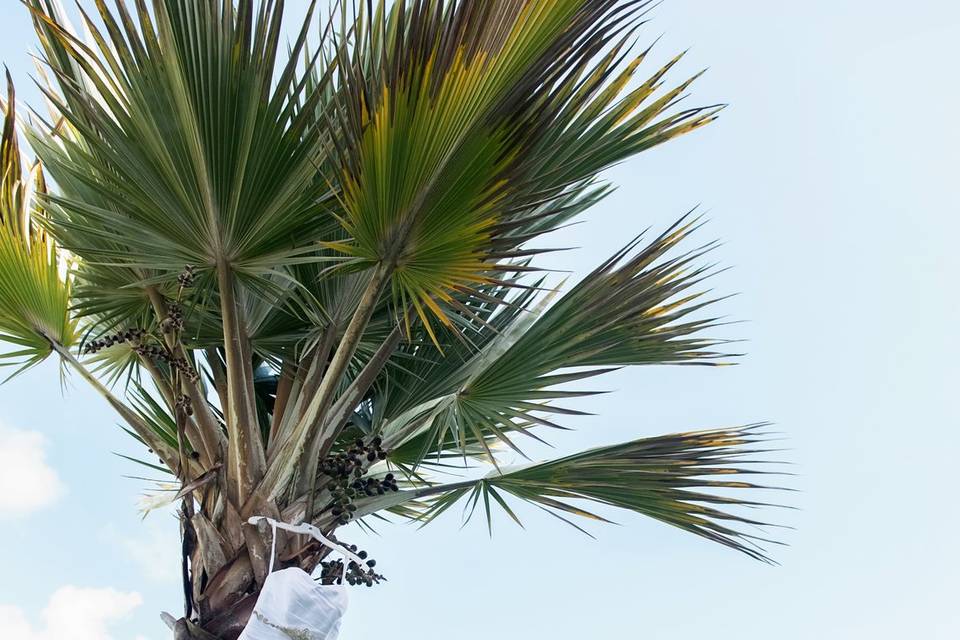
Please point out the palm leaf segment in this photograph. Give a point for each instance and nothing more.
(34, 285)
(637, 308)
(678, 479)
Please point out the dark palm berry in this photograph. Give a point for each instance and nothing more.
(363, 555)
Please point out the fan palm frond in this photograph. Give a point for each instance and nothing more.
(640, 307)
(34, 281)
(468, 128)
(681, 479)
(181, 155)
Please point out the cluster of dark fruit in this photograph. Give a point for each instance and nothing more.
(159, 354)
(174, 320)
(346, 470)
(130, 335)
(187, 277)
(185, 368)
(153, 352)
(343, 507)
(332, 572)
(374, 487)
(185, 404)
(353, 462)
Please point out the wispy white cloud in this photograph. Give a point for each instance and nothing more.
(27, 482)
(73, 613)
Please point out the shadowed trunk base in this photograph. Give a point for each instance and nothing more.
(229, 624)
(226, 627)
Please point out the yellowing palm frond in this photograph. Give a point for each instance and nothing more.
(34, 283)
(464, 130)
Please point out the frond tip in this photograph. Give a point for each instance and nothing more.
(680, 479)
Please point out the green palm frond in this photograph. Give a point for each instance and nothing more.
(466, 129)
(34, 283)
(634, 309)
(182, 140)
(681, 479)
(431, 370)
(640, 307)
(156, 416)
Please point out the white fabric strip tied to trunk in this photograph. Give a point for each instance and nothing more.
(294, 606)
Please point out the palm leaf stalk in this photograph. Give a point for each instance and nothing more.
(313, 270)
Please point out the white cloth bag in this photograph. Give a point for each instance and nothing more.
(292, 605)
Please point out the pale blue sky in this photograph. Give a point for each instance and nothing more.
(829, 181)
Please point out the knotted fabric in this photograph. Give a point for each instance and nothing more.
(293, 605)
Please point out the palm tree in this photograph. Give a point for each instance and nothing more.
(307, 279)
